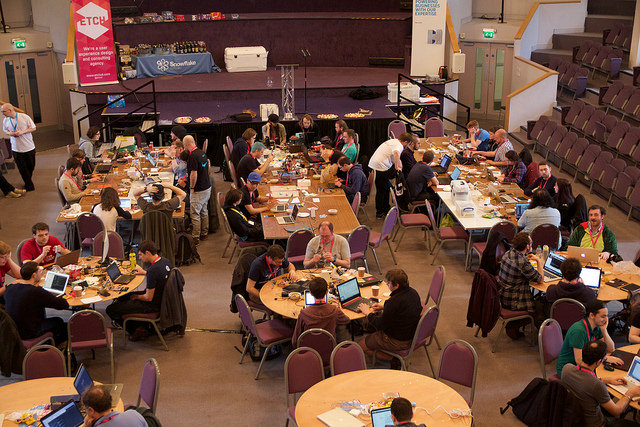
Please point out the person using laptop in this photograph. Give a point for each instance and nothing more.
(249, 162)
(402, 413)
(592, 392)
(595, 234)
(349, 148)
(273, 130)
(515, 170)
(515, 275)
(108, 210)
(147, 301)
(340, 126)
(251, 198)
(42, 248)
(242, 146)
(394, 322)
(26, 302)
(7, 265)
(308, 130)
(355, 180)
(593, 327)
(327, 248)
(267, 266)
(422, 180)
(176, 165)
(245, 228)
(157, 203)
(320, 315)
(86, 168)
(97, 404)
(69, 184)
(546, 181)
(571, 285)
(330, 155)
(499, 154)
(89, 144)
(540, 211)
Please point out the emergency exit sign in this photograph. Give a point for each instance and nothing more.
(488, 33)
(19, 43)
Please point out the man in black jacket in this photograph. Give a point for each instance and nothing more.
(355, 181)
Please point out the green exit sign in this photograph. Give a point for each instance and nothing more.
(488, 33)
(20, 44)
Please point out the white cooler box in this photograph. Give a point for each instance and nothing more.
(249, 58)
(408, 90)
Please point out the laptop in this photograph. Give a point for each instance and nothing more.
(117, 277)
(283, 207)
(508, 199)
(338, 417)
(445, 161)
(446, 180)
(591, 277)
(151, 160)
(626, 357)
(552, 267)
(520, 208)
(81, 382)
(349, 295)
(288, 219)
(68, 259)
(309, 299)
(66, 416)
(311, 158)
(585, 255)
(103, 168)
(632, 378)
(56, 283)
(381, 417)
(125, 202)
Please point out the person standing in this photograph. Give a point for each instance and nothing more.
(19, 127)
(9, 191)
(198, 174)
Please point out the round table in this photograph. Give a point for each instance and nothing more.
(368, 385)
(617, 373)
(24, 395)
(271, 295)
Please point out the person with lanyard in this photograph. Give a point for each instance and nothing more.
(595, 234)
(478, 137)
(349, 148)
(69, 185)
(250, 163)
(200, 186)
(591, 391)
(340, 126)
(7, 265)
(354, 182)
(267, 266)
(307, 129)
(273, 130)
(242, 146)
(516, 170)
(421, 181)
(407, 157)
(245, 228)
(97, 403)
(251, 198)
(42, 248)
(546, 180)
(89, 144)
(593, 327)
(499, 154)
(327, 248)
(402, 413)
(19, 127)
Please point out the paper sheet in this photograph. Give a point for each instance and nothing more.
(91, 300)
(316, 200)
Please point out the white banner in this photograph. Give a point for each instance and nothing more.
(428, 37)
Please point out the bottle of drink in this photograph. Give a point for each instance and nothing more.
(539, 252)
(545, 252)
(132, 259)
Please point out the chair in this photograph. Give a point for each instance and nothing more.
(436, 290)
(157, 227)
(268, 334)
(508, 316)
(370, 179)
(234, 175)
(321, 341)
(89, 225)
(396, 128)
(459, 364)
(355, 204)
(566, 312)
(87, 330)
(302, 369)
(422, 338)
(61, 197)
(545, 234)
(433, 127)
(505, 227)
(229, 144)
(549, 345)
(43, 361)
(297, 246)
(19, 251)
(375, 238)
(359, 243)
(225, 223)
(149, 384)
(346, 357)
(227, 152)
(411, 220)
(446, 234)
(205, 145)
(116, 247)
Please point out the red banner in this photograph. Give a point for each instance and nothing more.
(94, 41)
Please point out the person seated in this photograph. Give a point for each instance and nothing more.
(308, 129)
(273, 130)
(327, 248)
(7, 265)
(395, 322)
(516, 272)
(355, 180)
(349, 148)
(540, 211)
(591, 392)
(478, 137)
(515, 170)
(634, 318)
(157, 203)
(267, 266)
(89, 144)
(249, 162)
(564, 202)
(147, 301)
(546, 181)
(26, 302)
(407, 157)
(242, 146)
(330, 155)
(176, 165)
(595, 234)
(340, 126)
(86, 168)
(70, 183)
(422, 180)
(321, 315)
(499, 154)
(593, 327)
(402, 413)
(97, 404)
(570, 286)
(251, 198)
(42, 248)
(243, 227)
(108, 210)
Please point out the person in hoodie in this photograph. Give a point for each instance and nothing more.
(571, 285)
(89, 144)
(321, 315)
(355, 181)
(402, 413)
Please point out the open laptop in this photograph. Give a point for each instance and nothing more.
(151, 160)
(591, 277)
(283, 207)
(446, 180)
(626, 357)
(338, 417)
(56, 283)
(349, 295)
(381, 417)
(117, 277)
(445, 161)
(506, 199)
(68, 415)
(125, 202)
(520, 208)
(67, 259)
(585, 255)
(103, 168)
(81, 382)
(288, 219)
(311, 158)
(552, 267)
(632, 378)
(309, 299)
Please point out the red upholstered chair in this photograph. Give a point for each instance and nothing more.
(87, 330)
(297, 246)
(459, 364)
(346, 357)
(411, 220)
(549, 344)
(359, 243)
(89, 225)
(47, 337)
(505, 227)
(370, 179)
(376, 239)
(446, 234)
(566, 312)
(436, 291)
(396, 128)
(321, 341)
(43, 361)
(116, 247)
(302, 370)
(149, 384)
(545, 234)
(433, 127)
(508, 316)
(229, 144)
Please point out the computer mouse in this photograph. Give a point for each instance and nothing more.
(608, 366)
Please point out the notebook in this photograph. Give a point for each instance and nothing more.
(591, 277)
(632, 378)
(338, 417)
(445, 161)
(585, 255)
(552, 267)
(67, 259)
(349, 295)
(446, 180)
(283, 207)
(288, 219)
(381, 417)
(56, 283)
(66, 416)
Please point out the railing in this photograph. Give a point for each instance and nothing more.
(452, 33)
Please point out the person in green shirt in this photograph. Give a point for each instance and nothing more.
(594, 234)
(349, 148)
(591, 328)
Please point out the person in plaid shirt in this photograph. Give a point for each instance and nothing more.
(516, 272)
(516, 170)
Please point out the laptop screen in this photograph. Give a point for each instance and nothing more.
(455, 174)
(82, 380)
(520, 208)
(125, 203)
(444, 162)
(294, 212)
(381, 417)
(55, 282)
(591, 277)
(348, 290)
(634, 370)
(113, 271)
(553, 262)
(67, 416)
(151, 160)
(311, 300)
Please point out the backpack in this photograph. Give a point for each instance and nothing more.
(226, 172)
(255, 351)
(402, 192)
(363, 92)
(148, 415)
(186, 251)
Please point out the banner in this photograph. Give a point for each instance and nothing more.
(94, 42)
(428, 36)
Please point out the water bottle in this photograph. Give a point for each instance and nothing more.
(132, 260)
(545, 252)
(539, 252)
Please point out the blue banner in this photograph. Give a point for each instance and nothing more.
(165, 65)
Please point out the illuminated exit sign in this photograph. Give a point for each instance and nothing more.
(19, 43)
(488, 33)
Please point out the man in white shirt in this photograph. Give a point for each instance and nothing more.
(386, 161)
(19, 127)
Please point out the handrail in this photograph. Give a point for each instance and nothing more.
(14, 107)
(71, 36)
(452, 33)
(532, 12)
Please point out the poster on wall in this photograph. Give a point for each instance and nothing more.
(94, 42)
(428, 33)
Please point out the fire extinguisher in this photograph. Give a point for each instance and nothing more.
(443, 72)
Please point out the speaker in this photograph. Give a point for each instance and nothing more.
(457, 63)
(69, 73)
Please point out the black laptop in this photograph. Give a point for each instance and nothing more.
(117, 277)
(445, 161)
(103, 168)
(446, 180)
(68, 415)
(349, 295)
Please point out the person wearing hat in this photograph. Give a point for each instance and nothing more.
(156, 191)
(249, 163)
(251, 198)
(178, 133)
(273, 130)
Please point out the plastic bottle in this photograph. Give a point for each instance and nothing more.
(132, 260)
(539, 252)
(545, 251)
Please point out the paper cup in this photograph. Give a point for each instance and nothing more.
(361, 271)
(375, 290)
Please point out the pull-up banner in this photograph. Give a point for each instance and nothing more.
(94, 42)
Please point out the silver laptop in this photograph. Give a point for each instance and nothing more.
(289, 219)
(338, 417)
(632, 377)
(56, 283)
(506, 199)
(551, 268)
(283, 207)
(591, 277)
(585, 255)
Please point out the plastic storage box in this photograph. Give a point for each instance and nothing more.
(250, 58)
(408, 90)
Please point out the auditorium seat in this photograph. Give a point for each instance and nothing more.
(617, 136)
(597, 169)
(534, 128)
(580, 52)
(573, 78)
(634, 200)
(631, 107)
(558, 155)
(621, 99)
(574, 111)
(588, 157)
(604, 185)
(555, 140)
(595, 127)
(610, 121)
(583, 118)
(604, 59)
(609, 93)
(576, 151)
(546, 133)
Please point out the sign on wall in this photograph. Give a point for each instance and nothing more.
(427, 45)
(94, 42)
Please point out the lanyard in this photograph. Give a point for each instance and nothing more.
(345, 148)
(155, 260)
(580, 368)
(333, 238)
(251, 196)
(73, 180)
(15, 126)
(347, 182)
(106, 420)
(597, 236)
(274, 272)
(239, 213)
(545, 183)
(586, 326)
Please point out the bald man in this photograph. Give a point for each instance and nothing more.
(327, 248)
(499, 155)
(19, 127)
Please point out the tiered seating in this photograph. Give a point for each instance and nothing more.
(624, 99)
(605, 59)
(571, 76)
(618, 36)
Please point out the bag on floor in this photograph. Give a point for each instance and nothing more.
(226, 172)
(147, 414)
(256, 351)
(186, 250)
(447, 221)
